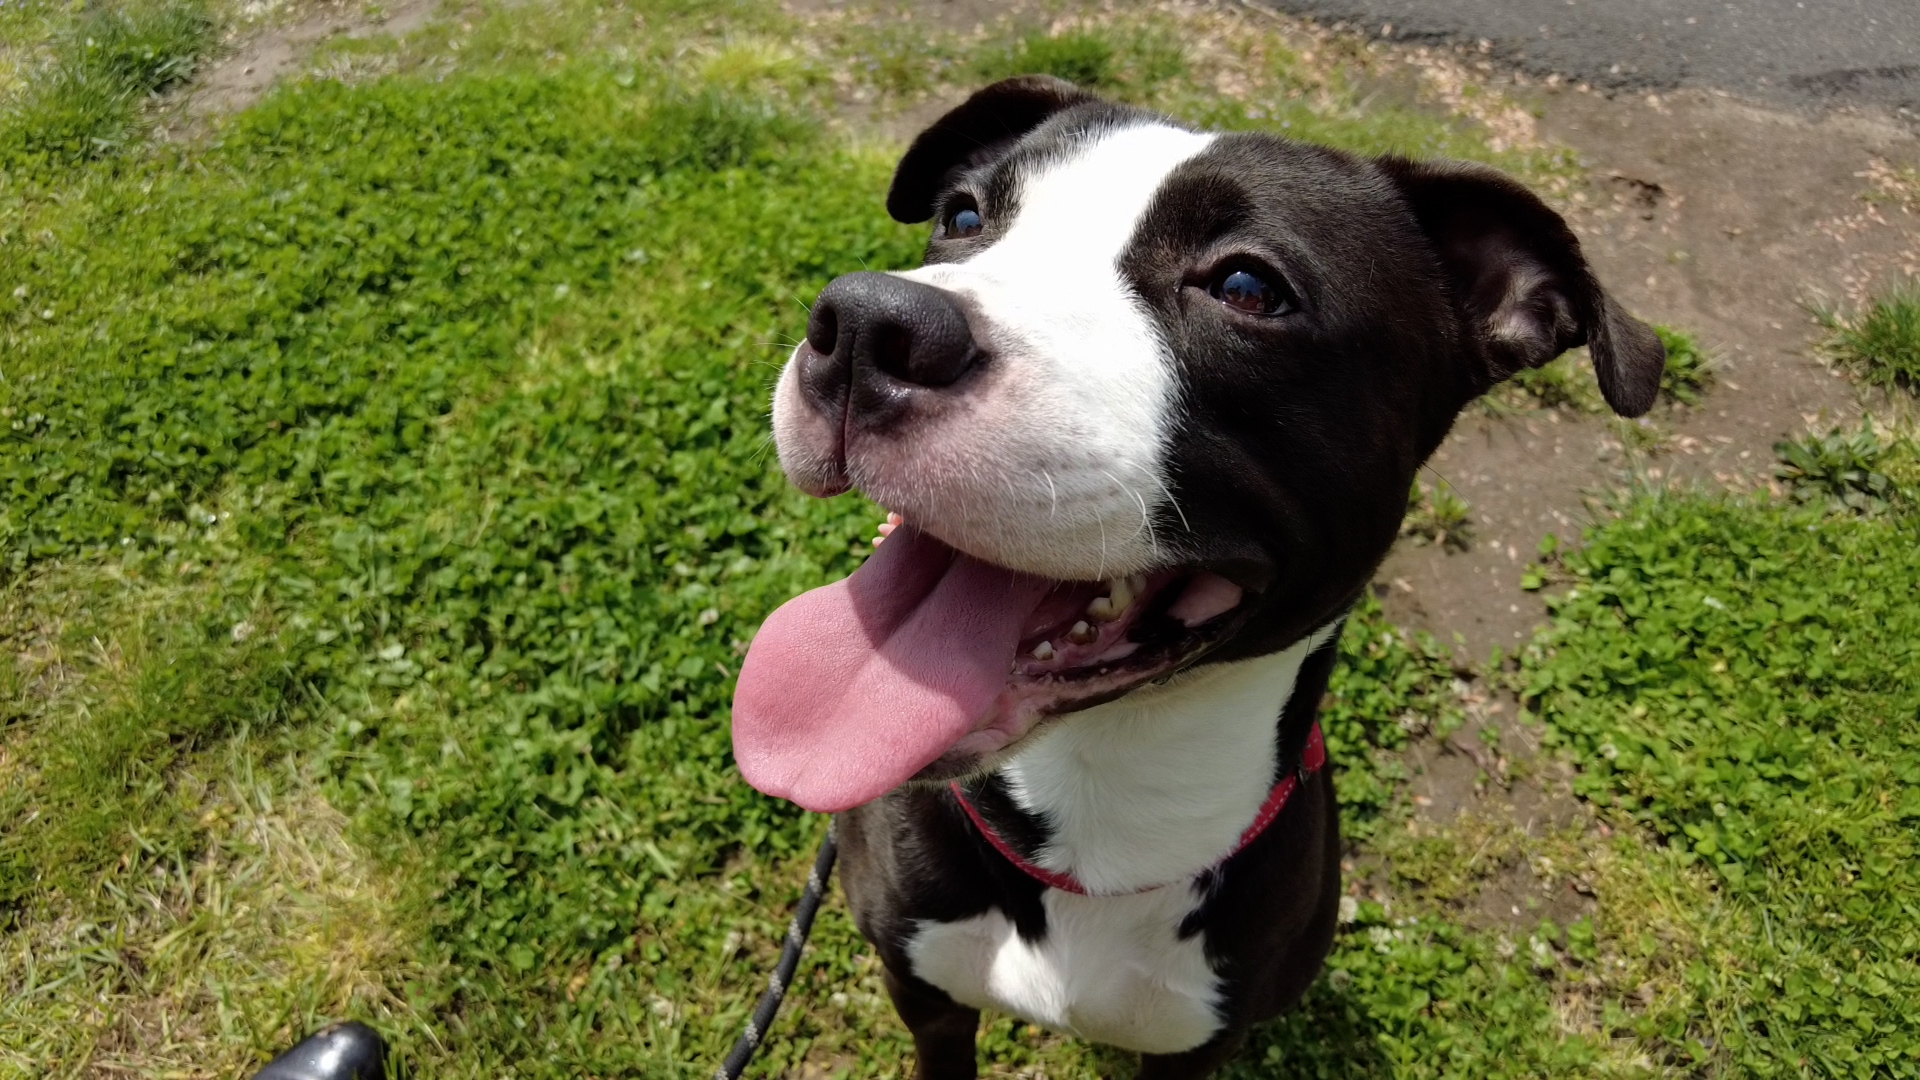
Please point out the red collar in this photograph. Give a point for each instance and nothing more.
(1312, 760)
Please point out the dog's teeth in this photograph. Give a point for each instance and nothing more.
(1043, 651)
(1121, 593)
(1082, 634)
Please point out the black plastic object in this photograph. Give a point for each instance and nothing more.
(345, 1051)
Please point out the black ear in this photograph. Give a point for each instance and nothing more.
(976, 131)
(1521, 283)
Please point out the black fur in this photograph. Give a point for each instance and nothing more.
(982, 129)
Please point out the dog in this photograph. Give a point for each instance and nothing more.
(1150, 411)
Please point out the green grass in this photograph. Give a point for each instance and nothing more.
(1079, 57)
(173, 888)
(83, 100)
(1689, 369)
(1213, 68)
(385, 502)
(1882, 343)
(1743, 679)
(488, 473)
(1436, 514)
(1135, 61)
(1566, 382)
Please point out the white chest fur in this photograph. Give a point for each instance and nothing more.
(1158, 785)
(1145, 791)
(1112, 969)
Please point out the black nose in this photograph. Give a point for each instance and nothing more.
(876, 338)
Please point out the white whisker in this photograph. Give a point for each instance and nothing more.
(1168, 492)
(1146, 518)
(1102, 575)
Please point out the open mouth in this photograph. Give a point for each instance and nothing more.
(926, 661)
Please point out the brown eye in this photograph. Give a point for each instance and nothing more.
(1246, 291)
(964, 222)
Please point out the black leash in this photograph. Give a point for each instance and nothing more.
(797, 932)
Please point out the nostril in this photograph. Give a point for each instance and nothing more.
(893, 351)
(823, 327)
(886, 333)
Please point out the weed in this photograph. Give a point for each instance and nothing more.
(144, 48)
(1881, 344)
(1389, 686)
(1437, 515)
(1155, 55)
(1841, 470)
(1689, 369)
(487, 470)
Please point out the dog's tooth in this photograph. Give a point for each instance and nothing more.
(1043, 652)
(1121, 592)
(1082, 634)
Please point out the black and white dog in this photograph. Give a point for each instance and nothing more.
(1151, 411)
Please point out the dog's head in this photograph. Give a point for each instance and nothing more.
(1155, 399)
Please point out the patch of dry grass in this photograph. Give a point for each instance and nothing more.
(201, 968)
(174, 905)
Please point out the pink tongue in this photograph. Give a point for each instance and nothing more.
(851, 689)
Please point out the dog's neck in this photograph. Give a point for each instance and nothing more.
(1158, 786)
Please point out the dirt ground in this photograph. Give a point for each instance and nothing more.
(280, 41)
(1722, 218)
(1729, 220)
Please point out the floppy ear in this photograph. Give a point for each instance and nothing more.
(977, 130)
(1520, 282)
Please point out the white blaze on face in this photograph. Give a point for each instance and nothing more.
(1055, 464)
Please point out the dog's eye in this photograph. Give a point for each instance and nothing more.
(1246, 291)
(964, 222)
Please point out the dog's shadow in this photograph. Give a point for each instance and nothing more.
(1333, 1034)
